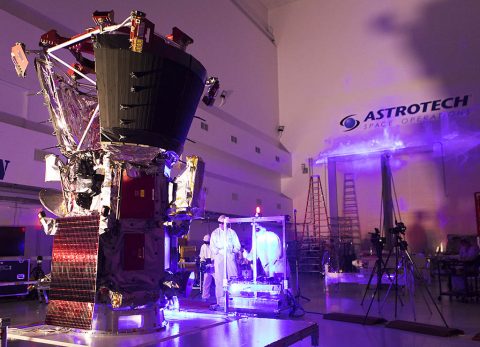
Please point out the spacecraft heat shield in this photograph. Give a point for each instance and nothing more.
(146, 98)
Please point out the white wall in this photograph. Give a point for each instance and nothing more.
(340, 58)
(18, 146)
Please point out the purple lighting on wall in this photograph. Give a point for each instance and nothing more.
(457, 136)
(342, 147)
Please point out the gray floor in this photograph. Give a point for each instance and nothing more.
(346, 298)
(340, 298)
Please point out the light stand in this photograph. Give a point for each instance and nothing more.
(409, 263)
(401, 262)
(400, 245)
(383, 269)
(410, 267)
(379, 239)
(378, 242)
(391, 237)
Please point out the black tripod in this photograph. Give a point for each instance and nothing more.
(398, 246)
(387, 215)
(378, 243)
(384, 266)
(401, 252)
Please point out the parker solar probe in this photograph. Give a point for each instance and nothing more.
(121, 113)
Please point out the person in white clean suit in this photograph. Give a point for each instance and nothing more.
(269, 251)
(223, 241)
(206, 264)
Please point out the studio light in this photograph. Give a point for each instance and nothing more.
(213, 85)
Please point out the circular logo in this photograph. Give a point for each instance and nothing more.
(349, 123)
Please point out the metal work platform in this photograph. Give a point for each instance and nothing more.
(184, 329)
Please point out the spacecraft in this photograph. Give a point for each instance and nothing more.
(121, 113)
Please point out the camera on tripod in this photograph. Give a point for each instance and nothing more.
(378, 241)
(398, 229)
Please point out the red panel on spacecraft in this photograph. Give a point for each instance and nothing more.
(137, 196)
(134, 251)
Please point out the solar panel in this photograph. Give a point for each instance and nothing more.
(74, 272)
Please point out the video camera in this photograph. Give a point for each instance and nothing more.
(378, 241)
(375, 237)
(399, 228)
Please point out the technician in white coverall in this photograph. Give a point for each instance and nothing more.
(206, 263)
(221, 241)
(269, 251)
